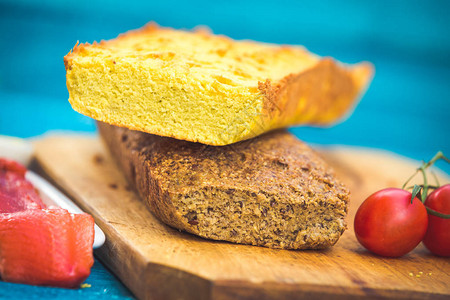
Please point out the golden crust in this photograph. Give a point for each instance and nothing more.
(289, 85)
(331, 91)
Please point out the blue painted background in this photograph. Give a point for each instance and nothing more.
(406, 109)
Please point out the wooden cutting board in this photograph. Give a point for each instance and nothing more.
(158, 262)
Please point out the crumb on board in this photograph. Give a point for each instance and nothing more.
(419, 274)
(114, 186)
(98, 158)
(85, 285)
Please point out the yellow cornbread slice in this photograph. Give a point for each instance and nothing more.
(208, 88)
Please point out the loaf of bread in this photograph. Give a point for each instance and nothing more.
(201, 87)
(271, 191)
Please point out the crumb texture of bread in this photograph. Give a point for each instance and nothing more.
(201, 87)
(271, 191)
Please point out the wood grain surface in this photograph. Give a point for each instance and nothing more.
(158, 262)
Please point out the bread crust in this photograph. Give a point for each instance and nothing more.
(331, 91)
(271, 191)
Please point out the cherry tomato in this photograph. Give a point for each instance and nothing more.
(437, 238)
(388, 224)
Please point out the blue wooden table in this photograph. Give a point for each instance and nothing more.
(406, 110)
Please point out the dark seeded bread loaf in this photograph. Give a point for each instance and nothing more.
(271, 191)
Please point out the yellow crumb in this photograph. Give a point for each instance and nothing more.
(411, 274)
(85, 285)
(208, 88)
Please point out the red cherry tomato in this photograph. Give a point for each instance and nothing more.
(388, 224)
(437, 238)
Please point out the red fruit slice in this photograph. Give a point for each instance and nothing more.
(16, 193)
(46, 247)
(12, 166)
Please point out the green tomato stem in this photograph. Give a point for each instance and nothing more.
(437, 181)
(425, 184)
(416, 189)
(437, 214)
(409, 179)
(430, 187)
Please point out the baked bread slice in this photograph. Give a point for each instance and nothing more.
(208, 88)
(271, 191)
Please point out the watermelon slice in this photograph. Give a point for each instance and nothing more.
(37, 245)
(16, 193)
(46, 247)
